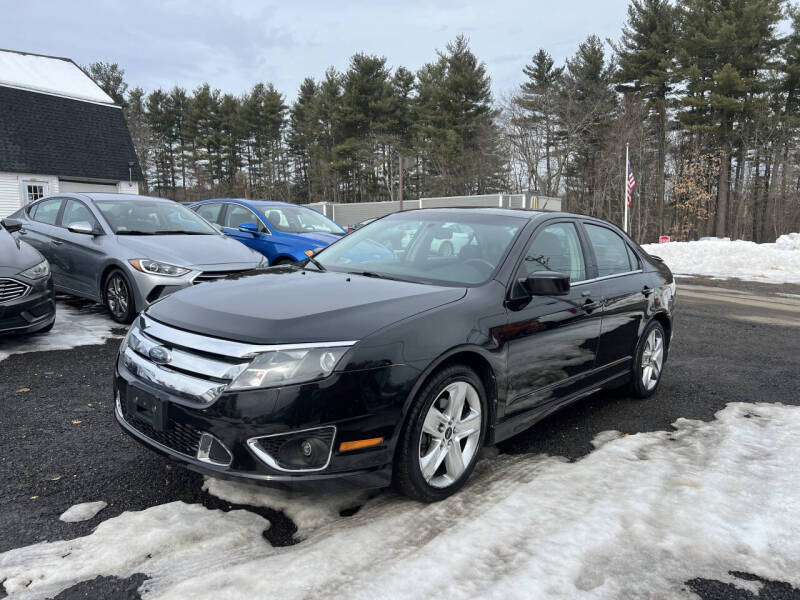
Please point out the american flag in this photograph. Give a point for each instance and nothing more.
(631, 185)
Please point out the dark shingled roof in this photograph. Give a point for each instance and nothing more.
(51, 135)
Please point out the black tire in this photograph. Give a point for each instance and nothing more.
(282, 261)
(637, 385)
(118, 297)
(446, 249)
(407, 473)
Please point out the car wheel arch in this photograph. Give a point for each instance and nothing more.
(470, 356)
(106, 273)
(666, 323)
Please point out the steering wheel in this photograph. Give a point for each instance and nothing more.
(474, 262)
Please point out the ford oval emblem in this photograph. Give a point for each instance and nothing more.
(160, 355)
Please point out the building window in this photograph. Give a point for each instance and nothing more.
(33, 190)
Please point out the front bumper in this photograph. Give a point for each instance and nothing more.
(32, 312)
(148, 287)
(359, 404)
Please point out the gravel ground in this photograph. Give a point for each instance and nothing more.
(60, 445)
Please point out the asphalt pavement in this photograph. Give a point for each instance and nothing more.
(59, 445)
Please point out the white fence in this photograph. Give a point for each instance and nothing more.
(350, 214)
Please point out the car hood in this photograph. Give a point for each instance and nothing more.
(286, 305)
(16, 255)
(319, 237)
(198, 251)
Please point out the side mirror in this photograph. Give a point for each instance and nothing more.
(547, 283)
(82, 227)
(248, 228)
(12, 225)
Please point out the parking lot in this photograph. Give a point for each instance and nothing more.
(734, 342)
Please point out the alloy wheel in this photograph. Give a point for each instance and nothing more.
(451, 434)
(652, 359)
(117, 296)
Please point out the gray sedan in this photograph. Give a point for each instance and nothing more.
(128, 251)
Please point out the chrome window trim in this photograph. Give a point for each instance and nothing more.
(266, 458)
(604, 277)
(213, 345)
(25, 292)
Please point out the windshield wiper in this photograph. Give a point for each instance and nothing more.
(133, 232)
(377, 275)
(316, 263)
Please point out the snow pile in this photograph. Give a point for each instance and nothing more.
(788, 241)
(769, 263)
(636, 518)
(74, 326)
(307, 511)
(82, 512)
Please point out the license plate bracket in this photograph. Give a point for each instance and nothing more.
(147, 407)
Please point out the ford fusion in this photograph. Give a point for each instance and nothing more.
(27, 297)
(127, 251)
(364, 367)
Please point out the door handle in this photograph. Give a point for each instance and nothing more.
(646, 290)
(590, 305)
(57, 242)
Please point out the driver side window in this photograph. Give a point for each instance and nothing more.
(557, 247)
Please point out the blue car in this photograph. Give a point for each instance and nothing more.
(280, 231)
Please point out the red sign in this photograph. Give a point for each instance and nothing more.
(663, 239)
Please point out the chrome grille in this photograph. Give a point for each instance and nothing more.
(198, 367)
(11, 289)
(216, 275)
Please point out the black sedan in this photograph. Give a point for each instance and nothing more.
(27, 296)
(363, 368)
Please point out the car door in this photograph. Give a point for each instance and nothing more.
(80, 255)
(621, 285)
(552, 340)
(235, 215)
(40, 229)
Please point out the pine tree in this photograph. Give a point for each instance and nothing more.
(726, 46)
(110, 78)
(646, 65)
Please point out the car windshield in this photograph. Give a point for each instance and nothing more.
(297, 219)
(152, 217)
(450, 248)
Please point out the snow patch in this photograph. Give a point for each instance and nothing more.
(50, 75)
(722, 259)
(76, 325)
(636, 518)
(82, 512)
(306, 510)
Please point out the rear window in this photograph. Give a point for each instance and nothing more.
(612, 253)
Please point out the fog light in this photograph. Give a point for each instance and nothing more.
(306, 448)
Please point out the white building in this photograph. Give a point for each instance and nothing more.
(59, 132)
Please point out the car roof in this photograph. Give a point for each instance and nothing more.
(251, 202)
(109, 196)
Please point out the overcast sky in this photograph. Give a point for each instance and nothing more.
(233, 45)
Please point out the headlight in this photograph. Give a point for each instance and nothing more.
(286, 367)
(38, 271)
(154, 267)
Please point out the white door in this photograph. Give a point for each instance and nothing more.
(85, 186)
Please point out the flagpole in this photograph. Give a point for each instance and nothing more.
(625, 190)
